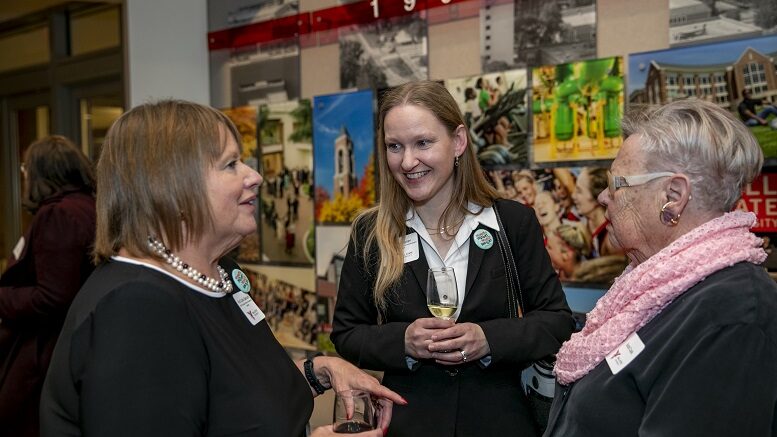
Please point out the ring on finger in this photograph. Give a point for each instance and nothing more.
(463, 356)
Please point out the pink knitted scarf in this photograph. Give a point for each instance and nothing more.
(642, 291)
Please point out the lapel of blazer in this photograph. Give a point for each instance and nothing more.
(419, 267)
(475, 259)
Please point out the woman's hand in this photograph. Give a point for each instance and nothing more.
(342, 375)
(447, 345)
(325, 431)
(418, 336)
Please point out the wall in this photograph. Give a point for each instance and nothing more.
(166, 50)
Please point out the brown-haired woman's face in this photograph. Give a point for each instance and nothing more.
(231, 187)
(420, 153)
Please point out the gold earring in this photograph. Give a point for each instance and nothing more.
(665, 216)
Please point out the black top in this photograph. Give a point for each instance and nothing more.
(469, 399)
(709, 368)
(747, 105)
(142, 354)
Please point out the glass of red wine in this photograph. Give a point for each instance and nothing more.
(361, 408)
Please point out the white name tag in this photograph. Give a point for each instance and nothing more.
(411, 247)
(17, 250)
(248, 307)
(625, 353)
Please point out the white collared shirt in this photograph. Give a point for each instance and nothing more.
(458, 254)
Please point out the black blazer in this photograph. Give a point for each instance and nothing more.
(469, 399)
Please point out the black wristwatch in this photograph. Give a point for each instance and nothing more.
(311, 377)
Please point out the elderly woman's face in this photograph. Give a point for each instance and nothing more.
(583, 198)
(231, 187)
(632, 211)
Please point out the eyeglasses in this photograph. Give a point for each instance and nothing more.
(615, 183)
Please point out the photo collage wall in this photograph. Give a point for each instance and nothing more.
(544, 117)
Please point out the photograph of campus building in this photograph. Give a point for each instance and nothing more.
(519, 33)
(384, 54)
(344, 153)
(257, 73)
(717, 72)
(695, 21)
(286, 212)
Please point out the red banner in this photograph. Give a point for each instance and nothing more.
(760, 197)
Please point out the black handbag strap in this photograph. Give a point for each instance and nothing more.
(514, 295)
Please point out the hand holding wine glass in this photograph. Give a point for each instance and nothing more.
(442, 295)
(355, 412)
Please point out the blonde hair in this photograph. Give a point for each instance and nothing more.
(716, 151)
(151, 176)
(388, 229)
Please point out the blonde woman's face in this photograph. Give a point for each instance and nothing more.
(420, 153)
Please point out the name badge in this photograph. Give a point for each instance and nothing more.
(17, 250)
(411, 247)
(625, 353)
(248, 307)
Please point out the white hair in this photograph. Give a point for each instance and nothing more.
(701, 140)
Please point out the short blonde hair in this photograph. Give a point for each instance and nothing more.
(151, 176)
(716, 151)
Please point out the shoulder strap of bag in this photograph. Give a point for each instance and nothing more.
(515, 297)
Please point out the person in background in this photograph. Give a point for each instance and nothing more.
(567, 246)
(437, 209)
(684, 343)
(563, 187)
(525, 186)
(747, 109)
(590, 183)
(164, 338)
(546, 209)
(48, 266)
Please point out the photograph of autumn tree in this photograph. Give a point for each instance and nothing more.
(244, 118)
(344, 150)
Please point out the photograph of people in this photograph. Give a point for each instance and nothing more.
(47, 268)
(164, 339)
(436, 209)
(591, 182)
(684, 343)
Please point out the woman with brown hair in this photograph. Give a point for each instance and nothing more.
(437, 209)
(48, 266)
(164, 338)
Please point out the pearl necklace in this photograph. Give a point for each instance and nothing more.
(222, 286)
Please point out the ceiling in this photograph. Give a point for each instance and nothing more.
(13, 9)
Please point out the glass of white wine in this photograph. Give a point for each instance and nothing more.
(442, 295)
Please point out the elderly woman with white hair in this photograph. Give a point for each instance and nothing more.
(685, 341)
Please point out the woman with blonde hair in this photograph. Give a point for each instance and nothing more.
(437, 209)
